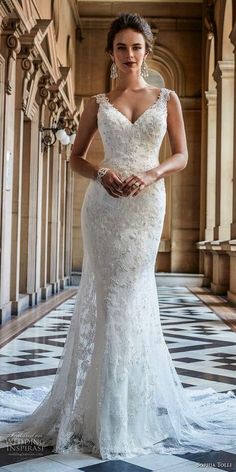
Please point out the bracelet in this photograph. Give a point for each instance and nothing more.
(101, 172)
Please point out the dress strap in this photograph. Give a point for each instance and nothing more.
(165, 93)
(101, 98)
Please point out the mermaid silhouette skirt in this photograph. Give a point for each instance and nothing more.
(116, 392)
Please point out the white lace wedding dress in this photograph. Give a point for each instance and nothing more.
(116, 392)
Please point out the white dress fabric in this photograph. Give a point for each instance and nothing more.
(116, 392)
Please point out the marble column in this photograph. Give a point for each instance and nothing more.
(62, 278)
(2, 106)
(232, 243)
(224, 76)
(233, 225)
(54, 217)
(19, 302)
(211, 164)
(30, 212)
(69, 219)
(221, 269)
(46, 287)
(10, 48)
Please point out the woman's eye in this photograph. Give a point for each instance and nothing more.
(135, 47)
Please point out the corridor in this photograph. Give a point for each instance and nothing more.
(202, 347)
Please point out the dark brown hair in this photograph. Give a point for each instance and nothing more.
(133, 21)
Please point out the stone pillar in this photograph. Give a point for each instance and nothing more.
(221, 266)
(39, 203)
(233, 225)
(10, 48)
(208, 264)
(211, 165)
(224, 76)
(232, 278)
(186, 196)
(46, 287)
(232, 243)
(54, 217)
(62, 278)
(230, 248)
(30, 214)
(69, 219)
(34, 196)
(2, 106)
(24, 68)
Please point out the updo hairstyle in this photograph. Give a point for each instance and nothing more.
(133, 21)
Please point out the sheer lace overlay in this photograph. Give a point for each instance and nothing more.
(116, 392)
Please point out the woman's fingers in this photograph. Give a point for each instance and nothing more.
(111, 193)
(118, 188)
(138, 189)
(129, 182)
(131, 188)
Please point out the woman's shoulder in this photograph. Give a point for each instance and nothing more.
(98, 98)
(161, 91)
(92, 102)
(167, 92)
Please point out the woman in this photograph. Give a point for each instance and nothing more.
(116, 392)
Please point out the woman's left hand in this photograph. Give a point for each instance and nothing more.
(143, 179)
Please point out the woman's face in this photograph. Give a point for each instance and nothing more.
(129, 50)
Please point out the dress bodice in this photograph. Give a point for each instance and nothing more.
(132, 146)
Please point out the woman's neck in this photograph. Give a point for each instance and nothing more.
(130, 83)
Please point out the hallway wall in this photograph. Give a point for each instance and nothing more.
(37, 76)
(51, 60)
(177, 29)
(217, 243)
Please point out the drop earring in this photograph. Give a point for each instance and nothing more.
(113, 74)
(144, 69)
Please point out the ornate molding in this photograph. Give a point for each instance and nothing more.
(209, 19)
(160, 24)
(211, 96)
(13, 24)
(13, 46)
(30, 88)
(43, 88)
(54, 102)
(171, 69)
(33, 42)
(29, 65)
(11, 30)
(233, 36)
(224, 69)
(6, 8)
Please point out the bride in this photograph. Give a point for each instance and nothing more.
(116, 392)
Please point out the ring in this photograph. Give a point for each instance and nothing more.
(136, 184)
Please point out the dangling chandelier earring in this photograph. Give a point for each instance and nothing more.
(144, 69)
(114, 73)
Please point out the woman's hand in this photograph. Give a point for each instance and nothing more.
(112, 182)
(143, 179)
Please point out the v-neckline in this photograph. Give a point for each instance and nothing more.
(140, 116)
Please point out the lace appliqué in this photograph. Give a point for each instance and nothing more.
(116, 392)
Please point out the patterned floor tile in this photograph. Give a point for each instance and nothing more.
(203, 351)
(114, 466)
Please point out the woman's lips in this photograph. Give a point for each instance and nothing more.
(129, 63)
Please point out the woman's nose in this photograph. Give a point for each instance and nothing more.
(130, 54)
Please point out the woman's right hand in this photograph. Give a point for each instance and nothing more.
(112, 183)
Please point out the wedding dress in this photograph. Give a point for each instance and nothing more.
(116, 392)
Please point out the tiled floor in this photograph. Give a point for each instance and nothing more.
(204, 354)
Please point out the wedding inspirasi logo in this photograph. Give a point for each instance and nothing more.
(24, 444)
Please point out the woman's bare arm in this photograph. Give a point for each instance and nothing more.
(87, 129)
(111, 181)
(176, 132)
